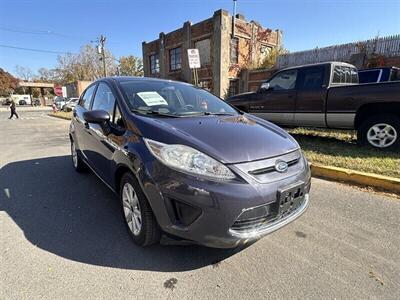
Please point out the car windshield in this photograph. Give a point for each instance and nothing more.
(173, 99)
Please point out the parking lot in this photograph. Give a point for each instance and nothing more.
(63, 236)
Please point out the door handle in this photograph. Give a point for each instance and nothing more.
(86, 125)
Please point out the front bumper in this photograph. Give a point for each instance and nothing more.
(220, 204)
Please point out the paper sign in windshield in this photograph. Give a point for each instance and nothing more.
(152, 98)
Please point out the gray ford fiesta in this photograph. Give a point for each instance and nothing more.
(186, 164)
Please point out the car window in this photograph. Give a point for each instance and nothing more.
(312, 78)
(175, 98)
(284, 81)
(104, 99)
(87, 96)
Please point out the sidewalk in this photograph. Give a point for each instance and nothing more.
(27, 108)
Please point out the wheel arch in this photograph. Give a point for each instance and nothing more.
(373, 109)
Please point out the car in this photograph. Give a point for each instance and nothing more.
(22, 99)
(60, 102)
(70, 104)
(382, 74)
(6, 101)
(328, 95)
(187, 165)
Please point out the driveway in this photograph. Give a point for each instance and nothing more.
(62, 237)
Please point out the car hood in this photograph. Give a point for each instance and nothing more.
(230, 139)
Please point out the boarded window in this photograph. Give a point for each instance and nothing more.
(234, 51)
(204, 51)
(233, 87)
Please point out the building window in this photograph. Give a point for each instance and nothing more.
(234, 50)
(204, 51)
(233, 87)
(154, 64)
(175, 59)
(205, 84)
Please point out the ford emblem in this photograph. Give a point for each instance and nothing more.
(281, 166)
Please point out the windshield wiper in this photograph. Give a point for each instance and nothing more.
(153, 112)
(207, 113)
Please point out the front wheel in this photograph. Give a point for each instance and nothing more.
(77, 162)
(381, 132)
(139, 217)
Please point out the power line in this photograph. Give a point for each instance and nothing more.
(35, 50)
(40, 32)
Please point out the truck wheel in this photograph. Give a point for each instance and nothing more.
(139, 218)
(381, 132)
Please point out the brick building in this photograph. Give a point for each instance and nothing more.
(224, 52)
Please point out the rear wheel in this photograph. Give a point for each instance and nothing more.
(381, 132)
(139, 217)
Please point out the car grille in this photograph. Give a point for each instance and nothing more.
(263, 171)
(276, 213)
(254, 218)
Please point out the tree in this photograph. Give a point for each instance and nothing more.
(86, 65)
(130, 66)
(8, 83)
(270, 59)
(24, 73)
(44, 74)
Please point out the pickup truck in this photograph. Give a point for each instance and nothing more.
(328, 95)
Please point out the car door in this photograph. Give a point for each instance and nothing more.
(277, 104)
(311, 96)
(100, 148)
(79, 125)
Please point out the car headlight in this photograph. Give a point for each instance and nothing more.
(188, 160)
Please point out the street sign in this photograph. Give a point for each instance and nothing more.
(58, 91)
(64, 91)
(194, 58)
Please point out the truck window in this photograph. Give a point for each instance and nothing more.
(285, 80)
(344, 75)
(369, 76)
(312, 78)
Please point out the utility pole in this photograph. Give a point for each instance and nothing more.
(100, 49)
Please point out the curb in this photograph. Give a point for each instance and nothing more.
(59, 117)
(381, 182)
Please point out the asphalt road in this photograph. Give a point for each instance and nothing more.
(62, 237)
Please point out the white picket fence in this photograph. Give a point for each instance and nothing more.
(387, 46)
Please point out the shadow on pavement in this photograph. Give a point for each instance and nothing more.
(77, 217)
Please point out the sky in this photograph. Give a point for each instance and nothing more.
(64, 26)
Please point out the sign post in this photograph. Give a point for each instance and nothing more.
(194, 63)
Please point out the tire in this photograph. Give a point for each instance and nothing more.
(77, 162)
(380, 132)
(135, 205)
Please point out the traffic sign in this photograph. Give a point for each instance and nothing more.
(58, 91)
(194, 58)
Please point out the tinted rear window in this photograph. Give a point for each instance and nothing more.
(368, 76)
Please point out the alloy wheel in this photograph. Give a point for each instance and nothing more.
(74, 155)
(382, 135)
(131, 206)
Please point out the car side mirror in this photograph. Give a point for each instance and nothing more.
(265, 86)
(100, 117)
